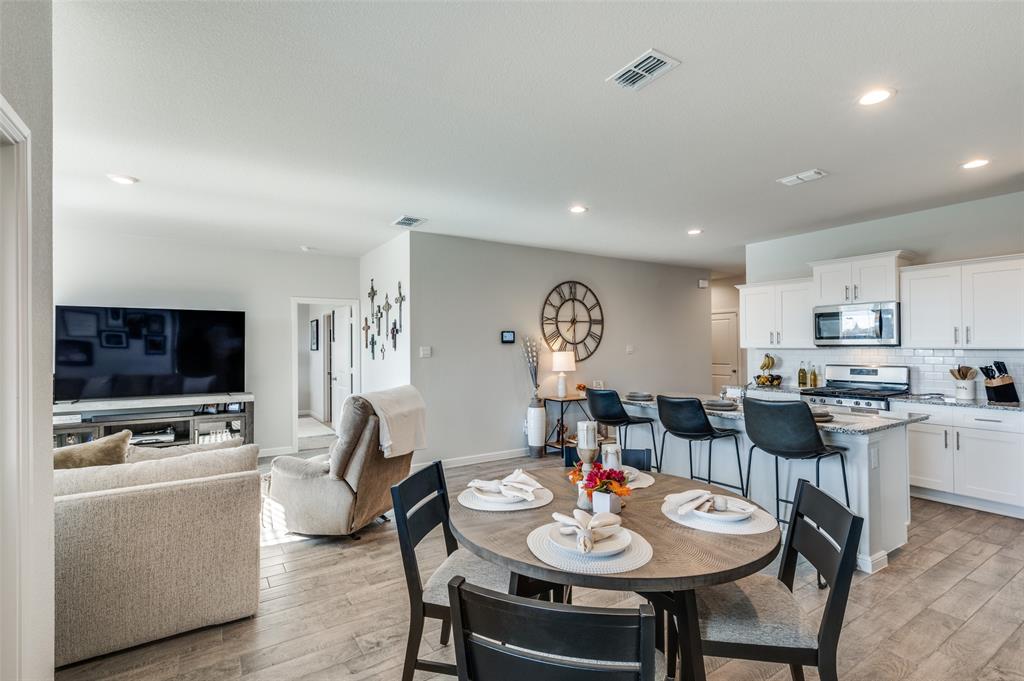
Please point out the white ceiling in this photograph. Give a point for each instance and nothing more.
(280, 124)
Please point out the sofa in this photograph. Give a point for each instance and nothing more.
(154, 548)
(340, 492)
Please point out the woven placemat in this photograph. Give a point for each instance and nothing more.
(761, 521)
(636, 555)
(469, 499)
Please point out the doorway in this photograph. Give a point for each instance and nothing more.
(326, 369)
(725, 350)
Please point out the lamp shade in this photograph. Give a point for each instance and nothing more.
(563, 361)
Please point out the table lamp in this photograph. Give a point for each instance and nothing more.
(562, 362)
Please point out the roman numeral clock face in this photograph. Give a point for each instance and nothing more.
(571, 319)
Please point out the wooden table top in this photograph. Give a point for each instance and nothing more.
(684, 558)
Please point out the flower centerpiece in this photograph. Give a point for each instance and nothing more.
(581, 389)
(601, 488)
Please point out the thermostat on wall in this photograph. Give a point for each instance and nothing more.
(508, 336)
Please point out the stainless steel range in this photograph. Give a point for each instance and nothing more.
(859, 386)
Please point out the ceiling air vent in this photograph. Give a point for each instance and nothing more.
(642, 70)
(800, 178)
(408, 221)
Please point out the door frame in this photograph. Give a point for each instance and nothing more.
(26, 475)
(302, 300)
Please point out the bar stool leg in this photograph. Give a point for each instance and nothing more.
(739, 464)
(711, 444)
(654, 443)
(689, 445)
(750, 462)
(846, 488)
(778, 495)
(662, 450)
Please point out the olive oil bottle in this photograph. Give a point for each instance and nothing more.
(801, 377)
(813, 377)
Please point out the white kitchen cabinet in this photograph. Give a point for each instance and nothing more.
(778, 315)
(930, 449)
(993, 304)
(865, 279)
(989, 465)
(930, 307)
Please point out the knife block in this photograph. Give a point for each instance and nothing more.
(1001, 389)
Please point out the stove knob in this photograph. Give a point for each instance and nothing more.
(869, 404)
(857, 403)
(839, 401)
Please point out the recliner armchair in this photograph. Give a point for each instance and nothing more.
(344, 490)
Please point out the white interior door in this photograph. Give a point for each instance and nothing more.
(342, 346)
(725, 350)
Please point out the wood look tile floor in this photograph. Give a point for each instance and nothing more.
(950, 606)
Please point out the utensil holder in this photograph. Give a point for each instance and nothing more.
(1001, 389)
(966, 390)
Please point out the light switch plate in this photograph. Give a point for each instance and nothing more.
(629, 349)
(426, 351)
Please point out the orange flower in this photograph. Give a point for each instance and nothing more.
(619, 489)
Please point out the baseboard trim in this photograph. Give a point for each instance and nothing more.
(967, 502)
(305, 412)
(872, 564)
(459, 461)
(276, 451)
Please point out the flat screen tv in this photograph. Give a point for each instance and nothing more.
(121, 352)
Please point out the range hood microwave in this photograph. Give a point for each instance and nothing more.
(859, 324)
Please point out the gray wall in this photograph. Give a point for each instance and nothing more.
(302, 377)
(477, 390)
(973, 229)
(26, 81)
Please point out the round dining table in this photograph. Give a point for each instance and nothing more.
(684, 558)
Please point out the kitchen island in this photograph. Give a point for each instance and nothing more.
(876, 467)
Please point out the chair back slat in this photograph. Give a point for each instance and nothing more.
(785, 429)
(421, 504)
(684, 416)
(810, 543)
(498, 636)
(606, 407)
(425, 518)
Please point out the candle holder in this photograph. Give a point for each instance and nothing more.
(587, 458)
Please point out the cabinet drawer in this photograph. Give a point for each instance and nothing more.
(989, 419)
(938, 415)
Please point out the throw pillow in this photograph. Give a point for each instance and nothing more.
(106, 451)
(137, 453)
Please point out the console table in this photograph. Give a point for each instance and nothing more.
(178, 412)
(564, 405)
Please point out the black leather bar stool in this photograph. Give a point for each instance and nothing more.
(606, 408)
(685, 418)
(787, 430)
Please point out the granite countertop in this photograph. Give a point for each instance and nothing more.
(951, 402)
(846, 424)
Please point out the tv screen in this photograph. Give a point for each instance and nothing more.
(109, 352)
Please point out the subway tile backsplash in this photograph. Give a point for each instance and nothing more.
(929, 369)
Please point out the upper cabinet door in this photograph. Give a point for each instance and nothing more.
(873, 280)
(794, 315)
(993, 305)
(832, 284)
(757, 317)
(930, 308)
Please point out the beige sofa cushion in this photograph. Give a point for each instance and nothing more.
(137, 453)
(106, 451)
(184, 467)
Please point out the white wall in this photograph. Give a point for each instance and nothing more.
(302, 338)
(26, 81)
(93, 268)
(477, 389)
(973, 229)
(725, 297)
(387, 265)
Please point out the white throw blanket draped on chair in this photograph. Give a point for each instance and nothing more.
(403, 419)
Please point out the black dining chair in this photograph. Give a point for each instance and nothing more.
(639, 459)
(606, 408)
(685, 418)
(421, 505)
(759, 618)
(508, 638)
(787, 430)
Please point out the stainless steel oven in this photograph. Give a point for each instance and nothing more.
(861, 324)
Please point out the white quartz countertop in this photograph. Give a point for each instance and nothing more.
(847, 424)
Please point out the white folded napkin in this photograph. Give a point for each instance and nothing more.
(589, 529)
(688, 500)
(518, 484)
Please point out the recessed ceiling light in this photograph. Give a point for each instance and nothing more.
(695, 231)
(122, 179)
(307, 249)
(577, 208)
(873, 97)
(975, 163)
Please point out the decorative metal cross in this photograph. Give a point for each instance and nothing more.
(399, 299)
(387, 309)
(366, 332)
(382, 349)
(373, 346)
(378, 315)
(394, 335)
(372, 294)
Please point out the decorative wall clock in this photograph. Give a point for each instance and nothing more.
(572, 320)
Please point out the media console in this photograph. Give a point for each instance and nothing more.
(183, 415)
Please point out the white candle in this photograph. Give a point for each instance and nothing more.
(586, 434)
